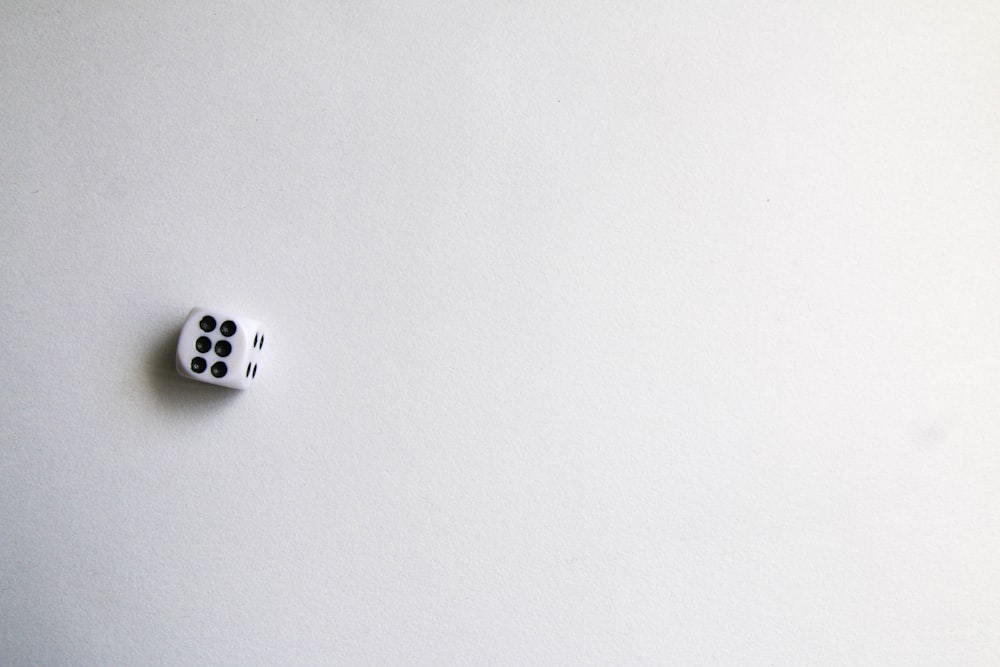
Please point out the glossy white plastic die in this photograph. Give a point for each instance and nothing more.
(220, 348)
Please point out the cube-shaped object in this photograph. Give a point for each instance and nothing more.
(220, 348)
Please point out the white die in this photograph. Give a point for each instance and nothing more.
(220, 348)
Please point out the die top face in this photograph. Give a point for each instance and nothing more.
(219, 348)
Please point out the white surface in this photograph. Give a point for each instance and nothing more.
(651, 334)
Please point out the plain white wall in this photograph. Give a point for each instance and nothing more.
(600, 333)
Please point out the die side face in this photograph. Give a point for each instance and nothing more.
(219, 348)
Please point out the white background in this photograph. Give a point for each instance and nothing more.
(600, 333)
